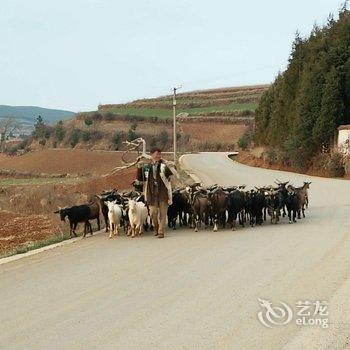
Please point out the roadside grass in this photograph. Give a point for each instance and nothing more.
(167, 113)
(37, 181)
(24, 248)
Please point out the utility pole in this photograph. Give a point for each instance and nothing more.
(174, 117)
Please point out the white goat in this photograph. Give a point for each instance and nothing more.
(115, 214)
(137, 217)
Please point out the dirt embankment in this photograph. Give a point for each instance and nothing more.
(27, 212)
(18, 229)
(256, 158)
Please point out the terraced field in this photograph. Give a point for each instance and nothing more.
(235, 101)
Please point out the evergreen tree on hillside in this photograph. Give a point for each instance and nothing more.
(301, 111)
(346, 91)
(332, 110)
(59, 131)
(39, 128)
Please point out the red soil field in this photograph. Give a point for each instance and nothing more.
(22, 225)
(17, 229)
(214, 132)
(63, 161)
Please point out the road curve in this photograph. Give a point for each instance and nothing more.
(189, 290)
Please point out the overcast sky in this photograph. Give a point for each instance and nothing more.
(75, 54)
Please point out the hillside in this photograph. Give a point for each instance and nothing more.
(228, 111)
(231, 101)
(298, 116)
(26, 115)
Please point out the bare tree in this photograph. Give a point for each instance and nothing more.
(8, 126)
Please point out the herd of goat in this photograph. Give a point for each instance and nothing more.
(192, 206)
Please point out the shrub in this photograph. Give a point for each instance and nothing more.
(24, 144)
(132, 135)
(271, 156)
(88, 121)
(74, 137)
(245, 140)
(11, 151)
(298, 156)
(117, 138)
(336, 165)
(153, 119)
(86, 135)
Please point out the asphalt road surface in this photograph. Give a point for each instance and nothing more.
(189, 290)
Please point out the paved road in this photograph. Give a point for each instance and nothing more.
(190, 290)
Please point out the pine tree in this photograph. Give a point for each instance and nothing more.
(59, 131)
(39, 129)
(332, 110)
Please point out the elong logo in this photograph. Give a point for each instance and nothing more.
(309, 313)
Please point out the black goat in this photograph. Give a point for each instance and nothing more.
(80, 213)
(176, 210)
(236, 205)
(293, 205)
(255, 204)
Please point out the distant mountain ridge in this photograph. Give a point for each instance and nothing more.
(28, 114)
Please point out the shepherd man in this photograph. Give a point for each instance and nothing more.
(155, 177)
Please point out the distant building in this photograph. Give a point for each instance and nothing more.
(343, 142)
